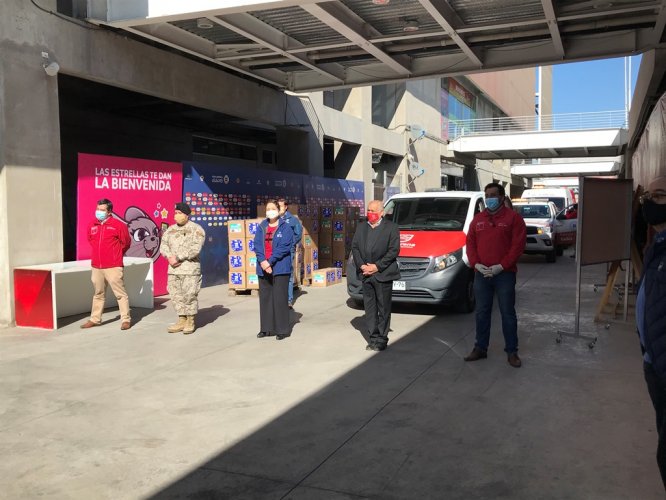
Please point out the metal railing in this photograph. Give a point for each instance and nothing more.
(548, 123)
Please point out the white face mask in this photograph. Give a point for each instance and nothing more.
(272, 214)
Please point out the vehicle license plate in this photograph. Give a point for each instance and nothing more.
(399, 285)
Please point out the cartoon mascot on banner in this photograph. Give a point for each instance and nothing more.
(145, 234)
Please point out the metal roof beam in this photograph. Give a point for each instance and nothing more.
(564, 14)
(660, 24)
(447, 18)
(348, 24)
(277, 41)
(172, 36)
(551, 20)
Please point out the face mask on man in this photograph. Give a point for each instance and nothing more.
(492, 204)
(180, 219)
(373, 218)
(654, 213)
(272, 214)
(100, 215)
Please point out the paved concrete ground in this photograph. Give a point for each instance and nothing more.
(105, 414)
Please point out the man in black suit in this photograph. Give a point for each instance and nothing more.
(375, 249)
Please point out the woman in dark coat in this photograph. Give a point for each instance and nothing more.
(272, 245)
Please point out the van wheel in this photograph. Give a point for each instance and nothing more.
(551, 256)
(467, 303)
(559, 250)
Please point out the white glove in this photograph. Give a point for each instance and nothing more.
(496, 269)
(482, 269)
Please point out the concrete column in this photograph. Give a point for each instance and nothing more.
(30, 187)
(361, 169)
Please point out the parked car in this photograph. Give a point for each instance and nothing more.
(562, 197)
(433, 262)
(566, 227)
(540, 218)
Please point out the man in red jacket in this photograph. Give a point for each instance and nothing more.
(495, 240)
(109, 240)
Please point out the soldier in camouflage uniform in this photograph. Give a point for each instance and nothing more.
(181, 245)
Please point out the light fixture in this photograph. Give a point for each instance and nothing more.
(411, 25)
(204, 23)
(381, 2)
(51, 68)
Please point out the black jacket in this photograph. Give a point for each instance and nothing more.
(383, 252)
(654, 281)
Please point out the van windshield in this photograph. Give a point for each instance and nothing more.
(533, 211)
(559, 202)
(429, 214)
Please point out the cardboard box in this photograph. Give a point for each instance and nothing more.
(237, 263)
(325, 212)
(323, 277)
(309, 241)
(237, 246)
(325, 252)
(340, 225)
(310, 225)
(310, 254)
(324, 263)
(326, 226)
(339, 213)
(236, 229)
(353, 213)
(251, 263)
(252, 281)
(338, 274)
(338, 264)
(251, 227)
(237, 280)
(249, 245)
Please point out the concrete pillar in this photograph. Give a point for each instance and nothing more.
(360, 101)
(30, 187)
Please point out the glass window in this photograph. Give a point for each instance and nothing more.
(437, 214)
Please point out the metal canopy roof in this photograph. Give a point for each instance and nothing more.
(313, 45)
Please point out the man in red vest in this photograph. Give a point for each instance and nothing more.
(109, 240)
(495, 241)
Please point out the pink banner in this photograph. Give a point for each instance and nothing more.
(143, 193)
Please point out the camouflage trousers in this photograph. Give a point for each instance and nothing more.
(184, 291)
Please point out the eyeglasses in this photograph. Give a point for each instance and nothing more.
(658, 197)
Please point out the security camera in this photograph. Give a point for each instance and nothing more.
(52, 68)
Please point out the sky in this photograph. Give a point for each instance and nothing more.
(591, 86)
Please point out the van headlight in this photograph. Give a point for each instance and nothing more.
(446, 260)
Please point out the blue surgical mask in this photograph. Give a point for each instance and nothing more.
(100, 214)
(492, 204)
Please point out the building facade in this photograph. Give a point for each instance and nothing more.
(116, 95)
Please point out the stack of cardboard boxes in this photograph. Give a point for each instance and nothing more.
(325, 245)
(242, 261)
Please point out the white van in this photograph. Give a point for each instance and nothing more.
(562, 197)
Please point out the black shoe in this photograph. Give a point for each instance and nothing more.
(291, 305)
(514, 360)
(376, 347)
(281, 337)
(261, 335)
(476, 354)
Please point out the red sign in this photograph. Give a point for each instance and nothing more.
(461, 93)
(143, 193)
(430, 243)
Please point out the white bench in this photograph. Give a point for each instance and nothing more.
(46, 292)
